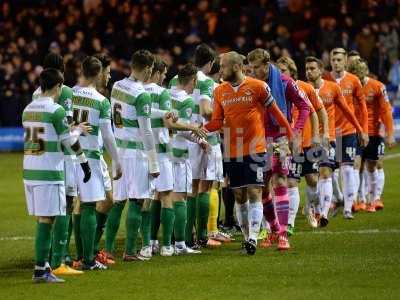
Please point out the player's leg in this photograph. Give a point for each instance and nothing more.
(120, 196)
(133, 222)
(229, 204)
(76, 219)
(195, 158)
(167, 218)
(362, 191)
(381, 180)
(145, 228)
(155, 222)
(349, 143)
(90, 193)
(312, 199)
(294, 177)
(191, 203)
(182, 187)
(325, 185)
(102, 210)
(61, 233)
(357, 178)
(45, 202)
(373, 152)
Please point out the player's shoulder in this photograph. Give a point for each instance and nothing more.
(304, 85)
(375, 83)
(352, 78)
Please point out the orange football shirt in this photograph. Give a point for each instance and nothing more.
(351, 89)
(378, 107)
(242, 109)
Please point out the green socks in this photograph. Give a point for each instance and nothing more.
(191, 219)
(101, 222)
(145, 228)
(133, 221)
(167, 221)
(180, 220)
(155, 210)
(42, 243)
(77, 235)
(112, 225)
(88, 230)
(60, 235)
(203, 207)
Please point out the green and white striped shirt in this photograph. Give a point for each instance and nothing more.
(160, 99)
(45, 126)
(183, 104)
(92, 107)
(129, 101)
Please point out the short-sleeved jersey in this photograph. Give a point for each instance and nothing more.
(351, 89)
(203, 91)
(183, 105)
(160, 99)
(90, 106)
(315, 105)
(242, 109)
(45, 126)
(65, 99)
(129, 101)
(378, 106)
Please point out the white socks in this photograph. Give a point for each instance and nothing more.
(337, 192)
(242, 215)
(372, 186)
(348, 184)
(312, 198)
(255, 217)
(356, 182)
(325, 195)
(380, 183)
(362, 192)
(294, 202)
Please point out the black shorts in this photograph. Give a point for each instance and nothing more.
(346, 147)
(246, 171)
(328, 157)
(304, 164)
(375, 148)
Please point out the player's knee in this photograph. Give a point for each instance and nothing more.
(311, 180)
(371, 165)
(325, 173)
(292, 183)
(46, 220)
(254, 194)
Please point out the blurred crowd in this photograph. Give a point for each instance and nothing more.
(296, 28)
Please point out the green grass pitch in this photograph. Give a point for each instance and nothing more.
(357, 259)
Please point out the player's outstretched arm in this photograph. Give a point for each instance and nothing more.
(111, 146)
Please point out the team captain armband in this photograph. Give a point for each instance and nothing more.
(269, 99)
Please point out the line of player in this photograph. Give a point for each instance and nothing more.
(167, 179)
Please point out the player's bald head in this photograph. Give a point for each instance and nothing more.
(233, 58)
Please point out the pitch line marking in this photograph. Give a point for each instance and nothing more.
(322, 232)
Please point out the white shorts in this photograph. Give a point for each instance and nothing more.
(106, 174)
(136, 182)
(182, 176)
(196, 157)
(211, 168)
(165, 182)
(45, 200)
(93, 190)
(71, 187)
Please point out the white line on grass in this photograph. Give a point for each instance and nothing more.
(361, 231)
(390, 156)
